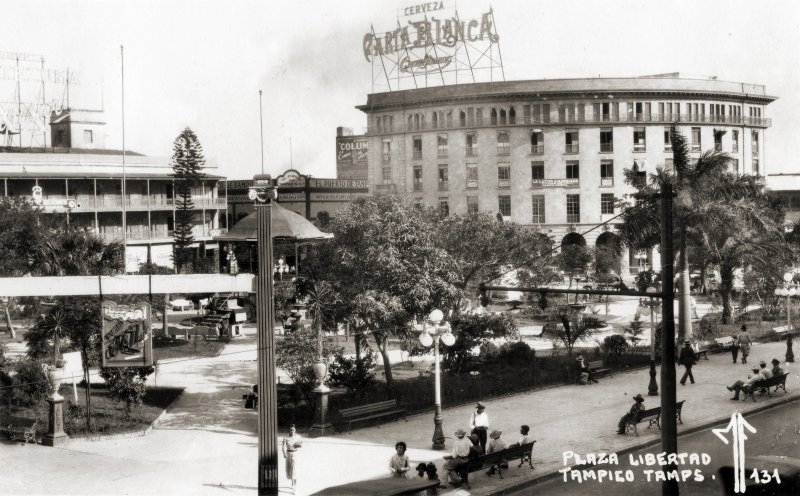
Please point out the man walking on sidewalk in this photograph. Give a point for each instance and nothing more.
(688, 359)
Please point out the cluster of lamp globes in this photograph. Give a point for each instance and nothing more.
(787, 277)
(432, 328)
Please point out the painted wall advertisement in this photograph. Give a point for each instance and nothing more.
(351, 157)
(127, 335)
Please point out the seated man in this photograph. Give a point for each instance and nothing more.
(746, 385)
(767, 373)
(457, 458)
(585, 374)
(496, 444)
(632, 416)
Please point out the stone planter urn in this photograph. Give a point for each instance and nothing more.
(56, 375)
(320, 369)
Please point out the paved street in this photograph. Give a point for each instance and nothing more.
(777, 433)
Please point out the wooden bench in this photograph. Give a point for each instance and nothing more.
(495, 460)
(598, 368)
(653, 417)
(778, 381)
(19, 428)
(388, 408)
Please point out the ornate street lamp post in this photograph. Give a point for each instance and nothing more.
(431, 333)
(788, 291)
(263, 193)
(650, 308)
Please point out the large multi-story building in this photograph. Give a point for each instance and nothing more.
(78, 177)
(550, 154)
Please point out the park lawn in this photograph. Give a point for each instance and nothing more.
(169, 348)
(108, 416)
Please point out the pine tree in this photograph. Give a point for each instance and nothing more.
(187, 165)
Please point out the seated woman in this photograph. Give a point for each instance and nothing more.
(636, 409)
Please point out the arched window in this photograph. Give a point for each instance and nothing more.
(462, 118)
(494, 117)
(512, 116)
(410, 122)
(502, 117)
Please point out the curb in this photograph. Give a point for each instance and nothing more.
(552, 474)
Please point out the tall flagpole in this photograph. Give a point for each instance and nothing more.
(261, 123)
(124, 200)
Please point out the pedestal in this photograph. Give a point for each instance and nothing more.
(652, 388)
(789, 353)
(55, 422)
(321, 426)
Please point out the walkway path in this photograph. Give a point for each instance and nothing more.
(206, 443)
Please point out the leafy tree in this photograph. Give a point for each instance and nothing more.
(296, 352)
(616, 344)
(573, 327)
(573, 260)
(127, 385)
(484, 248)
(45, 337)
(634, 330)
(475, 330)
(386, 267)
(729, 217)
(187, 167)
(75, 251)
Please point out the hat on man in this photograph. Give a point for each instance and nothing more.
(744, 327)
(495, 434)
(638, 397)
(756, 369)
(775, 361)
(480, 405)
(687, 342)
(763, 363)
(461, 433)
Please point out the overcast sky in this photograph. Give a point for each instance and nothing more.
(201, 63)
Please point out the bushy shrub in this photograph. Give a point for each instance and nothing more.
(489, 352)
(516, 353)
(615, 344)
(30, 384)
(127, 385)
(346, 372)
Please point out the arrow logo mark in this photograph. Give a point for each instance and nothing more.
(737, 427)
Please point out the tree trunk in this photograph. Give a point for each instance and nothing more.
(11, 330)
(725, 289)
(684, 302)
(88, 392)
(383, 348)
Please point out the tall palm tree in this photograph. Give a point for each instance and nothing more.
(730, 217)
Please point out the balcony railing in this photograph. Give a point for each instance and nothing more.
(441, 153)
(417, 186)
(417, 154)
(639, 148)
(606, 147)
(606, 118)
(503, 183)
(571, 148)
(472, 183)
(443, 185)
(537, 149)
(606, 181)
(472, 151)
(573, 218)
(504, 150)
(159, 234)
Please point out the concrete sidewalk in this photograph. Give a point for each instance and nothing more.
(206, 443)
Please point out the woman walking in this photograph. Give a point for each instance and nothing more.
(291, 444)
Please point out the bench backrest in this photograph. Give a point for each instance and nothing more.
(726, 341)
(372, 407)
(512, 452)
(6, 420)
(597, 364)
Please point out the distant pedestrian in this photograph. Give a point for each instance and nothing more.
(735, 347)
(745, 341)
(291, 444)
(688, 359)
(479, 423)
(633, 414)
(398, 463)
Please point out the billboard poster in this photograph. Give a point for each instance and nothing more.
(127, 335)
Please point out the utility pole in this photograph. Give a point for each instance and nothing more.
(263, 194)
(669, 426)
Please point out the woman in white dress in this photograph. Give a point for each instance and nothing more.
(291, 444)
